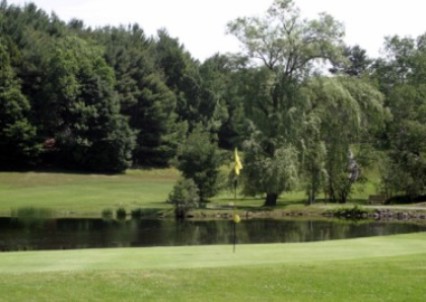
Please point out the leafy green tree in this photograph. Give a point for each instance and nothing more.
(407, 135)
(196, 103)
(18, 141)
(199, 159)
(144, 96)
(286, 46)
(270, 174)
(25, 32)
(314, 154)
(155, 118)
(184, 197)
(126, 52)
(89, 130)
(221, 76)
(401, 78)
(350, 111)
(357, 62)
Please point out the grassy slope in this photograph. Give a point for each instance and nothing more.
(369, 269)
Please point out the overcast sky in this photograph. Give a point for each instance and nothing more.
(200, 24)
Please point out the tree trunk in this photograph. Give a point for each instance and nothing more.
(312, 197)
(271, 200)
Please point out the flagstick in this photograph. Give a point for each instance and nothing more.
(233, 216)
(235, 235)
(236, 218)
(235, 191)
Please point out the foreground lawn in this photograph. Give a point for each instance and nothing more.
(369, 269)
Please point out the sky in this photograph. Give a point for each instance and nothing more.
(201, 24)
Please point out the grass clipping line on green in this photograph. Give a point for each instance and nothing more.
(390, 268)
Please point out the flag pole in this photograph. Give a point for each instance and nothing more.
(234, 214)
(235, 235)
(235, 218)
(235, 189)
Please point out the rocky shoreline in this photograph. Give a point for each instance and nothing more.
(382, 213)
(386, 214)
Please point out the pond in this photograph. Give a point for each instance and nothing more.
(16, 235)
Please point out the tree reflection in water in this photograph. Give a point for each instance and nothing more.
(69, 233)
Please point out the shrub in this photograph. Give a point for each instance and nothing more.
(136, 213)
(32, 216)
(355, 212)
(106, 214)
(150, 213)
(185, 195)
(199, 159)
(32, 213)
(121, 214)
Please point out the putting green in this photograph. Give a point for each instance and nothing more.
(212, 256)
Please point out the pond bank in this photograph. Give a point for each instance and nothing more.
(410, 213)
(404, 213)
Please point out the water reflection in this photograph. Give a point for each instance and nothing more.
(17, 234)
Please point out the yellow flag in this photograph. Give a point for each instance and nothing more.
(238, 166)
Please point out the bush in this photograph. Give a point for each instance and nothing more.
(199, 159)
(136, 213)
(106, 214)
(355, 212)
(32, 216)
(32, 213)
(121, 214)
(150, 213)
(184, 196)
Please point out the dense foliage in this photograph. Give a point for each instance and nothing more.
(111, 98)
(199, 159)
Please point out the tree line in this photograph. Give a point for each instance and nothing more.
(111, 98)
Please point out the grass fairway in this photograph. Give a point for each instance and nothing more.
(85, 194)
(369, 269)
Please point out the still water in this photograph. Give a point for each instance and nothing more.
(95, 233)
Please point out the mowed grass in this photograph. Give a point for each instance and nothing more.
(389, 268)
(85, 194)
(71, 194)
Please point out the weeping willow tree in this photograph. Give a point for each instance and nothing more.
(346, 113)
(271, 173)
(314, 152)
(283, 48)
